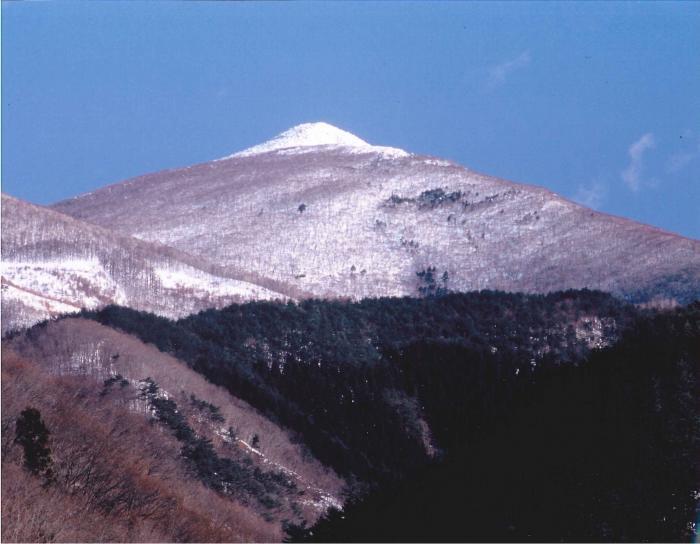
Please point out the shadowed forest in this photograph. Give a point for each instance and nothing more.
(460, 417)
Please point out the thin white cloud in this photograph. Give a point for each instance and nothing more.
(678, 161)
(632, 175)
(592, 195)
(500, 72)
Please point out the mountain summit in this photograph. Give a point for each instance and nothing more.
(313, 135)
(320, 212)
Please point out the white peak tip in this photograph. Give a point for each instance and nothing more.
(313, 134)
(307, 135)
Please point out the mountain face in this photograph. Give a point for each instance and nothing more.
(468, 417)
(144, 448)
(53, 264)
(379, 387)
(450, 416)
(318, 211)
(601, 451)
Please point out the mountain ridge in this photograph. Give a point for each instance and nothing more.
(355, 222)
(53, 264)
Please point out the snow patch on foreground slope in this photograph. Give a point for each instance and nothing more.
(323, 500)
(310, 136)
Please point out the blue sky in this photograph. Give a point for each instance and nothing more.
(599, 102)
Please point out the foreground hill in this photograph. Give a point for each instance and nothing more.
(53, 264)
(144, 448)
(470, 416)
(380, 387)
(318, 208)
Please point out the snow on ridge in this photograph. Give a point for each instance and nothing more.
(191, 278)
(64, 280)
(35, 301)
(312, 136)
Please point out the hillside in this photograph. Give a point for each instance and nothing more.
(243, 475)
(604, 451)
(323, 211)
(53, 264)
(455, 417)
(365, 384)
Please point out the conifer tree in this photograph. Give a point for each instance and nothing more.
(31, 433)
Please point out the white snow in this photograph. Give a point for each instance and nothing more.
(67, 280)
(322, 502)
(50, 287)
(36, 301)
(310, 136)
(191, 278)
(437, 162)
(554, 203)
(251, 448)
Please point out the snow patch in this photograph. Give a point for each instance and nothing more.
(437, 162)
(71, 281)
(251, 448)
(311, 136)
(554, 203)
(35, 302)
(191, 278)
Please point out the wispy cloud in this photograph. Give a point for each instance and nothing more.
(632, 175)
(678, 161)
(592, 195)
(500, 72)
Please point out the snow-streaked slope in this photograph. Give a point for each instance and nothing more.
(203, 284)
(83, 347)
(22, 308)
(78, 281)
(53, 264)
(341, 220)
(307, 137)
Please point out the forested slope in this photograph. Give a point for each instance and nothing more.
(356, 220)
(110, 404)
(89, 469)
(603, 451)
(476, 416)
(365, 384)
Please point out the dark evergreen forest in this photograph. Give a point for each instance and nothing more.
(477, 416)
(606, 450)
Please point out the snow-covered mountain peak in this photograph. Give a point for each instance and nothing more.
(302, 138)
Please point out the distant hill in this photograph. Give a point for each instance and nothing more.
(53, 264)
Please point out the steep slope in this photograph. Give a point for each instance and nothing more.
(108, 473)
(603, 451)
(216, 440)
(323, 210)
(53, 264)
(378, 387)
